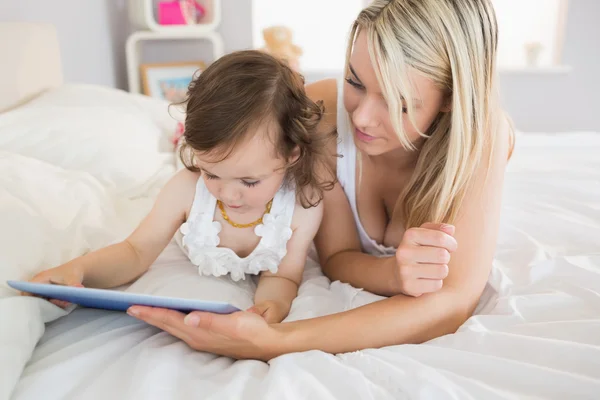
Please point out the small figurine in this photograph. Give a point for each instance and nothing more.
(532, 53)
(278, 42)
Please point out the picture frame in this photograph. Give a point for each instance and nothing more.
(169, 81)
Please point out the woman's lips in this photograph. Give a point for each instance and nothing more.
(363, 137)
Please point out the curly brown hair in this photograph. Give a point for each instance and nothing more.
(237, 93)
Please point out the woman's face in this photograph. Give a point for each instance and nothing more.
(368, 110)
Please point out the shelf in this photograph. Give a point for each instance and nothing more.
(141, 16)
(133, 56)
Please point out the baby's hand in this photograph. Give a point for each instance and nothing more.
(272, 311)
(66, 275)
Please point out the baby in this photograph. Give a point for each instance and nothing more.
(248, 201)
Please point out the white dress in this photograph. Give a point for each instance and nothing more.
(199, 236)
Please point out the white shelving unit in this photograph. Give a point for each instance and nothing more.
(141, 16)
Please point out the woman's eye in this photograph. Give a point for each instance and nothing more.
(354, 84)
(250, 184)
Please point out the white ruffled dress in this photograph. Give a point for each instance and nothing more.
(199, 237)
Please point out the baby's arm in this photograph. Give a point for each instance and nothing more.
(125, 261)
(275, 292)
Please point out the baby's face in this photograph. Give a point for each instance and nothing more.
(246, 180)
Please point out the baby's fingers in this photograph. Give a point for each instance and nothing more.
(259, 309)
(65, 281)
(60, 303)
(39, 278)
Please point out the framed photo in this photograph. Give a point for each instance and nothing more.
(169, 81)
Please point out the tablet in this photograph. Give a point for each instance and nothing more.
(117, 300)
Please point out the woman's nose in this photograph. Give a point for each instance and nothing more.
(364, 115)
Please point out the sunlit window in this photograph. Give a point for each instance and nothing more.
(530, 30)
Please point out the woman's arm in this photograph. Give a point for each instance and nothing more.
(418, 319)
(340, 254)
(396, 320)
(402, 319)
(123, 262)
(419, 266)
(275, 292)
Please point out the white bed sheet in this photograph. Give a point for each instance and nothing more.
(536, 333)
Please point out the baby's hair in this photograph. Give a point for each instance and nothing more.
(244, 89)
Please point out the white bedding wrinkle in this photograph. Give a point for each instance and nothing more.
(116, 138)
(536, 333)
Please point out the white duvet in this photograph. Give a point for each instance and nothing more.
(65, 189)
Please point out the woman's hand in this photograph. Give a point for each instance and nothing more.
(422, 258)
(241, 335)
(67, 274)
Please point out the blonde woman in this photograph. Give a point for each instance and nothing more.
(415, 214)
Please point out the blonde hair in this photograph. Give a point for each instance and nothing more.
(453, 43)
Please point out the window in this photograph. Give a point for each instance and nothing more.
(320, 28)
(530, 32)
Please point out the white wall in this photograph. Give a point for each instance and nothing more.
(571, 101)
(556, 102)
(235, 29)
(92, 34)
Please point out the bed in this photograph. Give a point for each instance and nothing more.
(79, 167)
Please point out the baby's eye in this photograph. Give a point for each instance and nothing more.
(209, 176)
(250, 183)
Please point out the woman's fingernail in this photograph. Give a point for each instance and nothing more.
(447, 227)
(133, 312)
(191, 320)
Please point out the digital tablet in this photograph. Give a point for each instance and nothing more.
(117, 300)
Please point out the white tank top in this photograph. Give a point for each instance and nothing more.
(346, 174)
(199, 236)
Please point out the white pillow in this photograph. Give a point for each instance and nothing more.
(120, 138)
(158, 111)
(50, 215)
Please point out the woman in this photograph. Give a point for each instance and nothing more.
(415, 214)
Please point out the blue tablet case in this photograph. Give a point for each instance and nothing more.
(117, 300)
